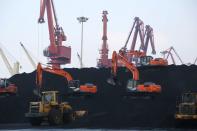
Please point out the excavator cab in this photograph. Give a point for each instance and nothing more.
(74, 85)
(159, 62)
(7, 88)
(86, 89)
(146, 90)
(145, 60)
(131, 85)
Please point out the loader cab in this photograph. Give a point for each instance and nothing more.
(189, 98)
(50, 97)
(131, 85)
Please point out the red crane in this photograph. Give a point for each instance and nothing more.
(104, 61)
(56, 51)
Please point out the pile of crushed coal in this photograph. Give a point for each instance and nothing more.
(109, 108)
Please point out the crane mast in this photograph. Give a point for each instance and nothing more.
(28, 56)
(56, 51)
(104, 61)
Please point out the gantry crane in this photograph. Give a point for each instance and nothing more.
(169, 52)
(56, 51)
(28, 56)
(104, 61)
(12, 70)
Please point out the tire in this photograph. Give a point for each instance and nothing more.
(68, 116)
(35, 121)
(55, 117)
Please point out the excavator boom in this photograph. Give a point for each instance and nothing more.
(57, 71)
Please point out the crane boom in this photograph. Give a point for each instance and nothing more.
(28, 56)
(149, 37)
(139, 28)
(12, 70)
(9, 67)
(195, 60)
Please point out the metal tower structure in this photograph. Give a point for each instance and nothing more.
(104, 61)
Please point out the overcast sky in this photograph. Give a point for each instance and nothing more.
(174, 23)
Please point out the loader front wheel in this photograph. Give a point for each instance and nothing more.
(68, 116)
(55, 117)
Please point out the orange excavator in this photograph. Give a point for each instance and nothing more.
(133, 85)
(86, 89)
(7, 88)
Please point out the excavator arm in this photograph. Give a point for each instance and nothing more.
(59, 72)
(120, 57)
(86, 89)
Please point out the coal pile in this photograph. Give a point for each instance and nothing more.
(108, 108)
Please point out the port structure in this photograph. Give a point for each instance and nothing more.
(57, 53)
(169, 52)
(104, 61)
(133, 54)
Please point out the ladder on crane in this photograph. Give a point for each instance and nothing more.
(28, 56)
(12, 70)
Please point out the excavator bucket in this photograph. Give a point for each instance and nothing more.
(112, 81)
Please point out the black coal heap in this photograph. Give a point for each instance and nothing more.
(109, 108)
